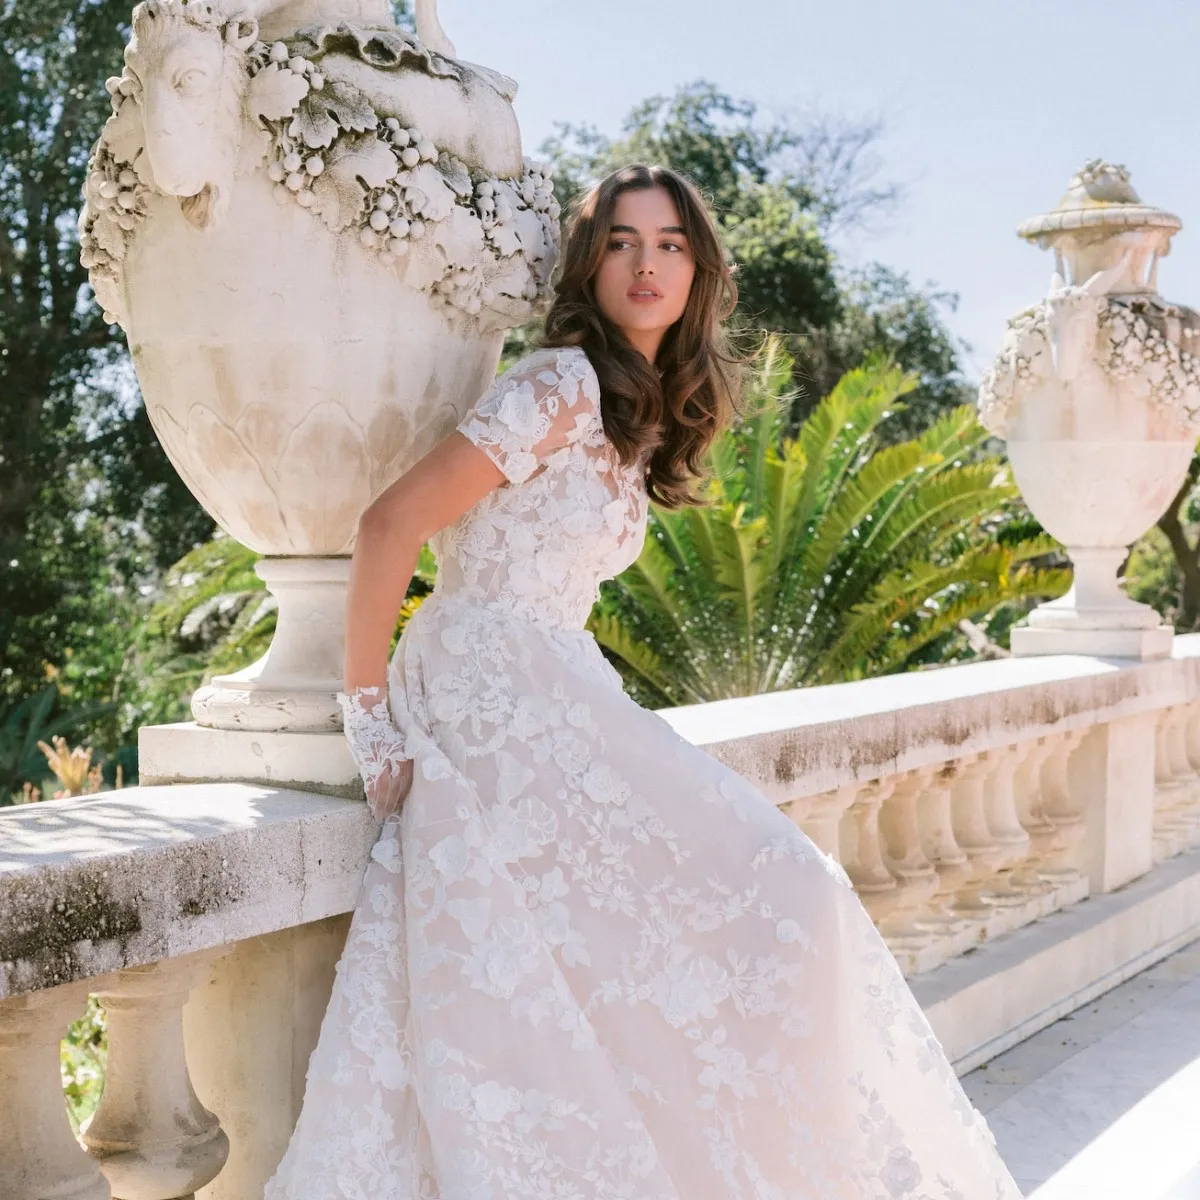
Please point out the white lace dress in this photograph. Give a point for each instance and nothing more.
(589, 961)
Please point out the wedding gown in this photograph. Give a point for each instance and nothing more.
(589, 961)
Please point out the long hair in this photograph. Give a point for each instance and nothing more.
(693, 391)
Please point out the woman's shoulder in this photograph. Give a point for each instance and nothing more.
(566, 370)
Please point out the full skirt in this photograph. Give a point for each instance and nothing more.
(590, 962)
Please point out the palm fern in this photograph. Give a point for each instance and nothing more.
(822, 556)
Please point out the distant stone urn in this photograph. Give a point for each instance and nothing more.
(1097, 393)
(314, 229)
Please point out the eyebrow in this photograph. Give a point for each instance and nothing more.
(665, 229)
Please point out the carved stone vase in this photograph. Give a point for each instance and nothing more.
(1097, 392)
(314, 229)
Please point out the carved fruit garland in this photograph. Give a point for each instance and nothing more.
(1129, 345)
(115, 193)
(330, 152)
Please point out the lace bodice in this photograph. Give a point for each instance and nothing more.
(570, 515)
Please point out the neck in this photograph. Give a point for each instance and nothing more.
(646, 342)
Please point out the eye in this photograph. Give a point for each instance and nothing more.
(190, 79)
(671, 246)
(619, 243)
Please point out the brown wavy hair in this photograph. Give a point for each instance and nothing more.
(693, 390)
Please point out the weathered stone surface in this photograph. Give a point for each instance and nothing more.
(127, 878)
(132, 877)
(315, 248)
(799, 743)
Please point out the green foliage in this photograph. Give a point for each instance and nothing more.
(1152, 576)
(25, 722)
(90, 508)
(83, 1057)
(823, 557)
(883, 313)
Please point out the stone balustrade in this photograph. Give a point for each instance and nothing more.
(1024, 833)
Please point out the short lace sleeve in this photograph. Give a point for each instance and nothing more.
(545, 401)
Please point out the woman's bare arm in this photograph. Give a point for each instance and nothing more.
(448, 481)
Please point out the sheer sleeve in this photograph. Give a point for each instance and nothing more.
(534, 409)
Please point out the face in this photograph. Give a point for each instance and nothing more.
(645, 277)
(185, 133)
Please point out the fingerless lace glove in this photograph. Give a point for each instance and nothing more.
(376, 744)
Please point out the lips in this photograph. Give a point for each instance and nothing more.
(644, 292)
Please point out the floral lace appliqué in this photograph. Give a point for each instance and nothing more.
(588, 960)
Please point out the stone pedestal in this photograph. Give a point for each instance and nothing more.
(293, 686)
(1095, 616)
(1143, 644)
(192, 753)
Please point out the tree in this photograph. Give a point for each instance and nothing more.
(1164, 566)
(882, 311)
(89, 505)
(824, 557)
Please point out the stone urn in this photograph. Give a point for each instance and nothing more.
(314, 228)
(1096, 390)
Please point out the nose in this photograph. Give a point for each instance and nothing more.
(644, 263)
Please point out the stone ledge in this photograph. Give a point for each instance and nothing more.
(122, 879)
(987, 1001)
(810, 740)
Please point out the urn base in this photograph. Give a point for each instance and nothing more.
(191, 753)
(294, 686)
(1095, 616)
(1103, 643)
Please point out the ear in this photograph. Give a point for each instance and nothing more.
(205, 209)
(242, 32)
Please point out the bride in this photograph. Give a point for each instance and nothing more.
(589, 961)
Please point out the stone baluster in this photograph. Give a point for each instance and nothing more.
(39, 1156)
(861, 849)
(823, 818)
(916, 879)
(797, 810)
(935, 825)
(1183, 774)
(1191, 744)
(1060, 856)
(1011, 888)
(1170, 832)
(1029, 796)
(153, 1138)
(1000, 805)
(984, 854)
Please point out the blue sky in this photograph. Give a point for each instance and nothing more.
(988, 106)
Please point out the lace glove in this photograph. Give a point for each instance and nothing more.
(378, 748)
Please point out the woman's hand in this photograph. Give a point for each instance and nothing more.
(378, 748)
(388, 791)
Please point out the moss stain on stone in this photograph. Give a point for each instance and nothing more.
(43, 924)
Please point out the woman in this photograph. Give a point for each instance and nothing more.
(589, 961)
